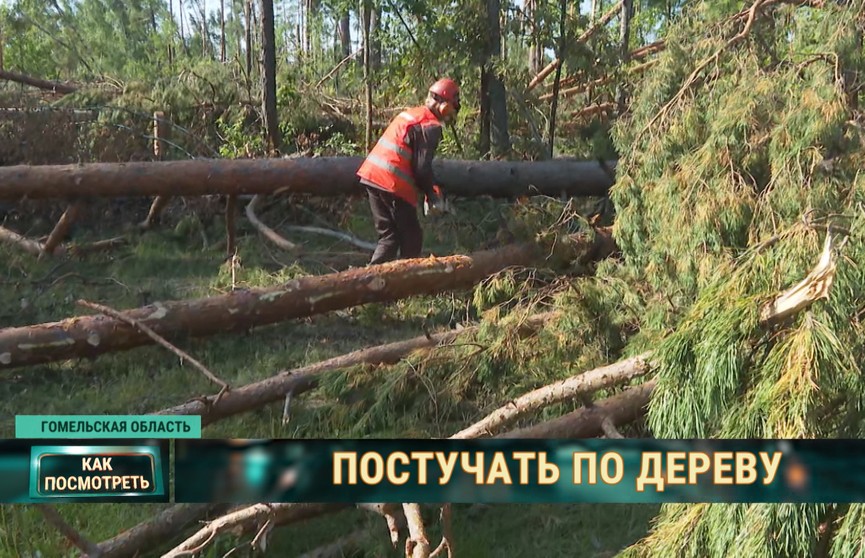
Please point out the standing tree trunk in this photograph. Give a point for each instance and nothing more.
(345, 34)
(561, 56)
(504, 25)
(535, 51)
(222, 57)
(205, 40)
(307, 33)
(312, 17)
(484, 140)
(499, 137)
(268, 77)
(366, 15)
(237, 29)
(624, 40)
(181, 30)
(170, 41)
(375, 38)
(247, 15)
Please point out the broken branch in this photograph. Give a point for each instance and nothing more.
(39, 83)
(247, 519)
(813, 287)
(53, 518)
(266, 231)
(305, 378)
(447, 533)
(159, 340)
(587, 34)
(157, 530)
(587, 382)
(417, 545)
(61, 229)
(336, 234)
(624, 408)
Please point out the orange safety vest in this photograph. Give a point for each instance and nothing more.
(388, 165)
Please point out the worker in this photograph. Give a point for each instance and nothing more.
(399, 167)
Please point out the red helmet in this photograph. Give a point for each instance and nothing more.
(447, 89)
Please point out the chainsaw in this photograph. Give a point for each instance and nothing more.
(440, 208)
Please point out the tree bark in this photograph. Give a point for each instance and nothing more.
(534, 46)
(319, 176)
(586, 422)
(624, 40)
(61, 229)
(247, 16)
(375, 38)
(156, 531)
(500, 140)
(586, 382)
(558, 79)
(39, 83)
(249, 519)
(484, 139)
(181, 30)
(366, 14)
(93, 335)
(222, 57)
(268, 77)
(299, 380)
(205, 38)
(345, 34)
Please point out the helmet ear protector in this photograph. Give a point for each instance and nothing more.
(447, 109)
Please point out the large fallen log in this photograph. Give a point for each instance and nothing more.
(587, 382)
(299, 380)
(319, 176)
(37, 82)
(90, 336)
(157, 530)
(587, 422)
(248, 518)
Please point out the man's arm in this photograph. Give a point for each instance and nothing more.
(424, 142)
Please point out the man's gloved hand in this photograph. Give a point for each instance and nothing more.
(434, 206)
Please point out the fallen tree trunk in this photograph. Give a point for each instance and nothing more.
(587, 382)
(319, 176)
(90, 336)
(36, 82)
(156, 531)
(587, 422)
(247, 519)
(299, 380)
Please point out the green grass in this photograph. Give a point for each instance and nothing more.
(174, 262)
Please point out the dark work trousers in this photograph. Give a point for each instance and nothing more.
(397, 225)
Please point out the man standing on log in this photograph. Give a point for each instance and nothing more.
(400, 165)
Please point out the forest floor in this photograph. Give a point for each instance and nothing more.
(184, 257)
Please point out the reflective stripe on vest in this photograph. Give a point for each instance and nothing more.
(387, 167)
